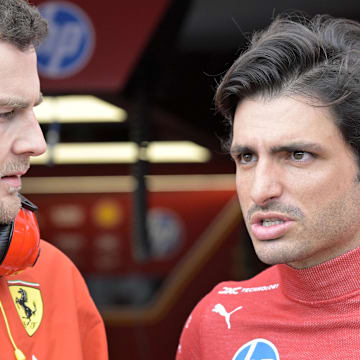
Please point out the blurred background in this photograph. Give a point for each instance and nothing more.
(135, 187)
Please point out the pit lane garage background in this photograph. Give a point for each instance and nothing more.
(135, 187)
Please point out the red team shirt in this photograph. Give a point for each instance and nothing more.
(50, 312)
(282, 313)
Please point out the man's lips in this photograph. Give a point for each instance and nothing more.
(274, 229)
(13, 180)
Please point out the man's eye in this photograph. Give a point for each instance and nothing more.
(301, 155)
(246, 158)
(8, 114)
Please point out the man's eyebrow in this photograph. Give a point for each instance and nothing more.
(17, 102)
(240, 149)
(297, 146)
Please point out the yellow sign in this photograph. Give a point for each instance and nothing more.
(29, 305)
(107, 214)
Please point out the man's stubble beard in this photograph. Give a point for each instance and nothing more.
(9, 208)
(337, 222)
(11, 203)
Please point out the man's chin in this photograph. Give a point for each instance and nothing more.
(273, 255)
(9, 207)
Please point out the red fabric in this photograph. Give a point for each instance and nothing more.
(71, 327)
(305, 314)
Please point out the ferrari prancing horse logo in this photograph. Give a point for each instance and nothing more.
(29, 305)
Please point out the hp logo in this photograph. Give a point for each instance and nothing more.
(70, 43)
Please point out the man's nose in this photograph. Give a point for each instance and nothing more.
(267, 183)
(29, 140)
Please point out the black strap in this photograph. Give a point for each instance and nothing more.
(5, 237)
(27, 204)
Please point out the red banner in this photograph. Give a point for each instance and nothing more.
(95, 230)
(94, 45)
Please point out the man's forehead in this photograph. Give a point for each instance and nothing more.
(280, 121)
(269, 138)
(282, 107)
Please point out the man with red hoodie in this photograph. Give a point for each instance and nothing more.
(46, 310)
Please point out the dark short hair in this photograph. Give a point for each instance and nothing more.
(318, 59)
(21, 24)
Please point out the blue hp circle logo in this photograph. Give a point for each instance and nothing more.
(258, 349)
(165, 232)
(70, 42)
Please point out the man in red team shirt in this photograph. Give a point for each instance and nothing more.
(46, 310)
(293, 103)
